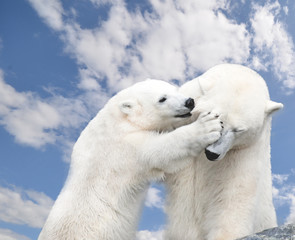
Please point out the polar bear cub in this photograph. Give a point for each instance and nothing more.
(229, 196)
(129, 143)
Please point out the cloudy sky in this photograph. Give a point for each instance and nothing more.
(61, 60)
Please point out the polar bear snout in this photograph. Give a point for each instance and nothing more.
(190, 103)
(211, 155)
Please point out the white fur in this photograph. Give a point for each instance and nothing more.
(116, 156)
(231, 197)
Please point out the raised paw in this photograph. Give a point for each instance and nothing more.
(203, 132)
(208, 116)
(210, 127)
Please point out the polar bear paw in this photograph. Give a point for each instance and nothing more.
(208, 129)
(211, 127)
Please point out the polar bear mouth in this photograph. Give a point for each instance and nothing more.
(184, 115)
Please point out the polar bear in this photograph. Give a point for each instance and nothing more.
(129, 143)
(231, 195)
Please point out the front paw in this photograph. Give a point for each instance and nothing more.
(211, 127)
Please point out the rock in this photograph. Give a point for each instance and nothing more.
(285, 232)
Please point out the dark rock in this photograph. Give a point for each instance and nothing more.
(285, 232)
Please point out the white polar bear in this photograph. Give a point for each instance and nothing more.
(120, 151)
(231, 197)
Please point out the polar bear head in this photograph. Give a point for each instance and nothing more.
(241, 96)
(153, 105)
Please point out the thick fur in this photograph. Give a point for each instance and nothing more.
(116, 156)
(232, 197)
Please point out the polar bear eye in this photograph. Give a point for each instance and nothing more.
(162, 99)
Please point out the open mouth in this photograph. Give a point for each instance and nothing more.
(184, 115)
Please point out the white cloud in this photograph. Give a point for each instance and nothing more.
(280, 178)
(35, 122)
(102, 2)
(174, 41)
(284, 194)
(150, 235)
(286, 10)
(104, 51)
(291, 217)
(24, 207)
(6, 234)
(51, 11)
(31, 123)
(272, 43)
(25, 116)
(154, 199)
(88, 80)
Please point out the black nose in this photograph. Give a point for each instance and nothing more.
(190, 103)
(211, 155)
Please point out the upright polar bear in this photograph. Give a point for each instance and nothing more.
(124, 147)
(231, 197)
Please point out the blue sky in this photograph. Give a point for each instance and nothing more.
(61, 60)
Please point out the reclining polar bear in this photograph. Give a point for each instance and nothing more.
(231, 197)
(120, 151)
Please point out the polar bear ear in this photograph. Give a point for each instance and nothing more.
(273, 107)
(127, 106)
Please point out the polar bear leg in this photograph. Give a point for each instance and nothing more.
(170, 151)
